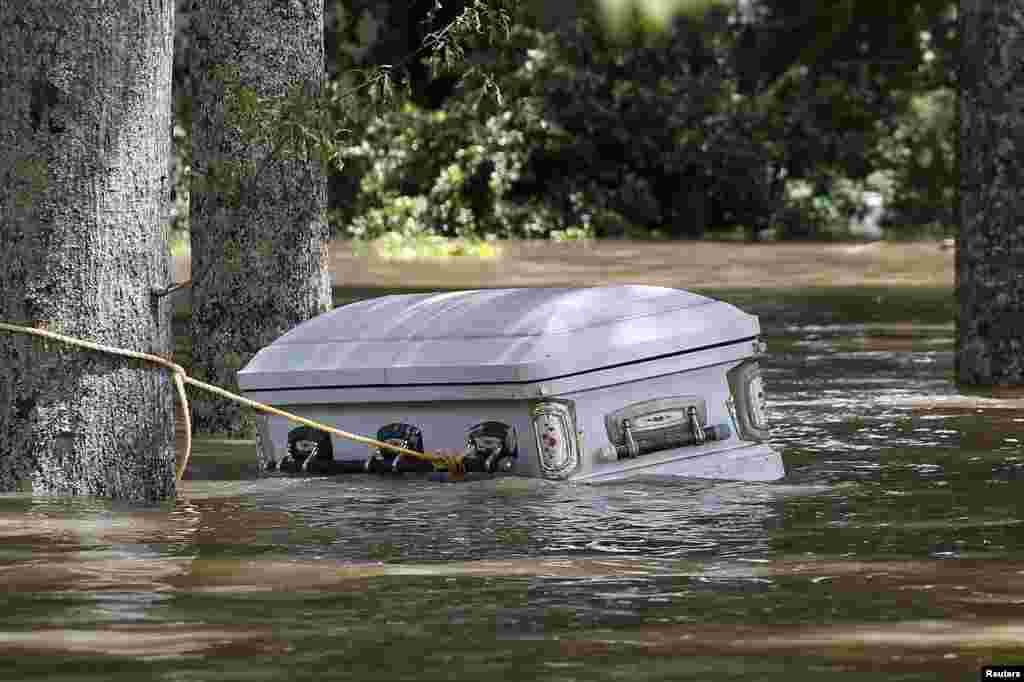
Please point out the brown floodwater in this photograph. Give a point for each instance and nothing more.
(702, 264)
(893, 549)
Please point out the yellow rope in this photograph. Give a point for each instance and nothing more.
(454, 464)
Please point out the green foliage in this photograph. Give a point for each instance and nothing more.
(846, 80)
(396, 245)
(569, 133)
(181, 149)
(592, 140)
(625, 18)
(656, 138)
(179, 243)
(450, 173)
(299, 124)
(922, 156)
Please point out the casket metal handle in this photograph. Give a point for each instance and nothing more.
(661, 424)
(493, 444)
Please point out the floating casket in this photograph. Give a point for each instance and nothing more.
(583, 384)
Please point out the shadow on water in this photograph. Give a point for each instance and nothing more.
(892, 550)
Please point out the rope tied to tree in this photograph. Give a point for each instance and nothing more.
(454, 464)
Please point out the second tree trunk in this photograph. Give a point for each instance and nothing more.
(259, 238)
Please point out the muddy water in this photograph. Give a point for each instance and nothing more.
(894, 548)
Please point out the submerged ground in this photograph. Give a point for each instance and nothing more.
(894, 548)
(711, 265)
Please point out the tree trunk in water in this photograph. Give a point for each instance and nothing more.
(990, 250)
(85, 116)
(259, 236)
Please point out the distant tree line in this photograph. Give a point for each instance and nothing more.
(769, 117)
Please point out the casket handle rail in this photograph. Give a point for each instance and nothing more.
(630, 449)
(684, 429)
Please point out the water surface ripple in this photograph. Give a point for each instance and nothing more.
(892, 548)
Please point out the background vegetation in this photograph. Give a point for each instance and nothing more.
(761, 119)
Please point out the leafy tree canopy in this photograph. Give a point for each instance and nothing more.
(634, 117)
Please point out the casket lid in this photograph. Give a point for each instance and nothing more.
(493, 336)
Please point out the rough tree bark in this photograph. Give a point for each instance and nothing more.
(990, 249)
(85, 115)
(259, 236)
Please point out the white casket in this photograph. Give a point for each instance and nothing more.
(580, 384)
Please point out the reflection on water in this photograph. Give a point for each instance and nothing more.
(892, 546)
(142, 642)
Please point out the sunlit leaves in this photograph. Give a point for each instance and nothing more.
(623, 17)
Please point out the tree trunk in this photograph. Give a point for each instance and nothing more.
(259, 236)
(990, 250)
(85, 115)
